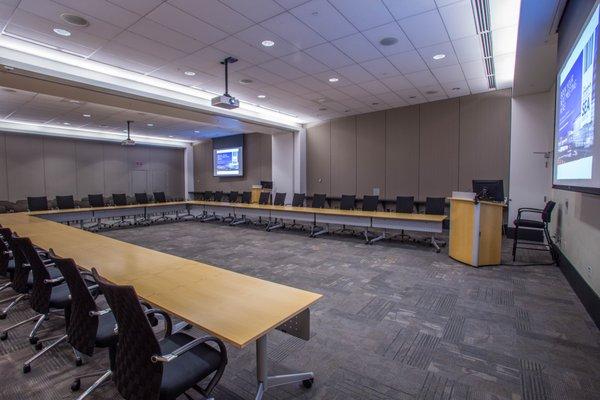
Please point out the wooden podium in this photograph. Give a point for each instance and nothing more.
(475, 231)
(256, 191)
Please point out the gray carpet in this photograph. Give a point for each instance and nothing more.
(397, 321)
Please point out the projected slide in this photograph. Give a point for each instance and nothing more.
(228, 162)
(576, 147)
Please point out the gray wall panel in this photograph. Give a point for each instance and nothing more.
(370, 155)
(402, 152)
(3, 172)
(343, 156)
(90, 168)
(60, 167)
(25, 166)
(318, 159)
(116, 170)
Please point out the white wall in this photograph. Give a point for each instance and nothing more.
(532, 127)
(282, 158)
(300, 161)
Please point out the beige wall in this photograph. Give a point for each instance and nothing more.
(47, 166)
(424, 150)
(257, 165)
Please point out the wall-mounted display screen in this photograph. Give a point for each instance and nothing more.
(576, 139)
(228, 162)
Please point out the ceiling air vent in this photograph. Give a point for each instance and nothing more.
(481, 11)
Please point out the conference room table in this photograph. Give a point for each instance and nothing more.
(237, 308)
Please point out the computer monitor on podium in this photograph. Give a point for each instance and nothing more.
(489, 189)
(267, 184)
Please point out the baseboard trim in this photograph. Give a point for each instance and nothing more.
(587, 296)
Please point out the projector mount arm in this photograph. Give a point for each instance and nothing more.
(226, 62)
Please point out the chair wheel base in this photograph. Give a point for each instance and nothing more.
(308, 383)
(33, 340)
(79, 362)
(76, 385)
(39, 346)
(2, 315)
(26, 368)
(4, 336)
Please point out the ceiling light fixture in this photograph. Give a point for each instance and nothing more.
(196, 131)
(440, 56)
(66, 123)
(268, 43)
(455, 88)
(388, 41)
(333, 79)
(261, 96)
(87, 115)
(431, 92)
(190, 73)
(170, 135)
(322, 109)
(245, 81)
(73, 19)
(74, 101)
(62, 32)
(375, 104)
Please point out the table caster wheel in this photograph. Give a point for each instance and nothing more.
(39, 346)
(4, 336)
(76, 385)
(307, 383)
(33, 340)
(26, 368)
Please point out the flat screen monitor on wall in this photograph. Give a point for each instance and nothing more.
(576, 134)
(228, 162)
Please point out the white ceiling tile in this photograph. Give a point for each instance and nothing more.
(334, 94)
(263, 75)
(504, 13)
(236, 48)
(478, 85)
(408, 62)
(451, 73)
(161, 34)
(180, 21)
(305, 63)
(293, 30)
(363, 14)
(397, 83)
(215, 13)
(433, 93)
(353, 103)
(255, 35)
(283, 69)
(329, 55)
(323, 19)
(468, 48)
(505, 40)
(311, 83)
(442, 48)
(208, 60)
(287, 4)
(355, 73)
(456, 89)
(354, 91)
(141, 7)
(294, 88)
(357, 47)
(406, 8)
(128, 58)
(102, 10)
(421, 78)
(148, 46)
(424, 29)
(374, 87)
(380, 68)
(256, 10)
(458, 19)
(391, 30)
(389, 97)
(411, 96)
(474, 69)
(175, 73)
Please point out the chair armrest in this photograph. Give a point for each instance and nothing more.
(166, 358)
(100, 312)
(150, 313)
(54, 281)
(527, 210)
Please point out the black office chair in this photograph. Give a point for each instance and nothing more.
(7, 264)
(21, 280)
(539, 225)
(405, 204)
(347, 202)
(277, 223)
(65, 202)
(279, 199)
(435, 206)
(120, 199)
(96, 200)
(264, 198)
(247, 197)
(141, 198)
(369, 203)
(218, 196)
(233, 196)
(298, 201)
(208, 196)
(37, 203)
(160, 197)
(146, 368)
(318, 201)
(242, 219)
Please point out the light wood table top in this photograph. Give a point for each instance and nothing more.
(85, 209)
(234, 307)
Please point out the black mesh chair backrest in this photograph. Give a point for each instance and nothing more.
(233, 196)
(160, 197)
(435, 205)
(96, 200)
(65, 202)
(119, 199)
(298, 200)
(19, 279)
(348, 202)
(369, 203)
(279, 199)
(141, 198)
(264, 198)
(547, 211)
(134, 374)
(405, 204)
(247, 197)
(218, 196)
(37, 203)
(319, 200)
(208, 195)
(40, 291)
(82, 326)
(4, 250)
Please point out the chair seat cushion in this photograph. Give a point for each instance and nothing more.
(53, 271)
(60, 297)
(105, 335)
(528, 223)
(189, 368)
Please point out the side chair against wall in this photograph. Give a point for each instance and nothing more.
(148, 368)
(540, 224)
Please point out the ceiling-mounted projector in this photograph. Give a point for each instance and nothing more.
(129, 141)
(226, 100)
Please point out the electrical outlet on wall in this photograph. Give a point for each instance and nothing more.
(588, 271)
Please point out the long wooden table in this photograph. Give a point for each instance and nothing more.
(237, 308)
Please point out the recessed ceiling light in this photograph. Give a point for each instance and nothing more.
(439, 56)
(375, 104)
(61, 32)
(346, 111)
(268, 43)
(74, 101)
(322, 109)
(388, 41)
(333, 79)
(455, 88)
(103, 126)
(412, 97)
(87, 115)
(261, 96)
(124, 130)
(66, 123)
(196, 131)
(170, 135)
(73, 19)
(190, 73)
(245, 81)
(321, 100)
(431, 92)
(150, 124)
